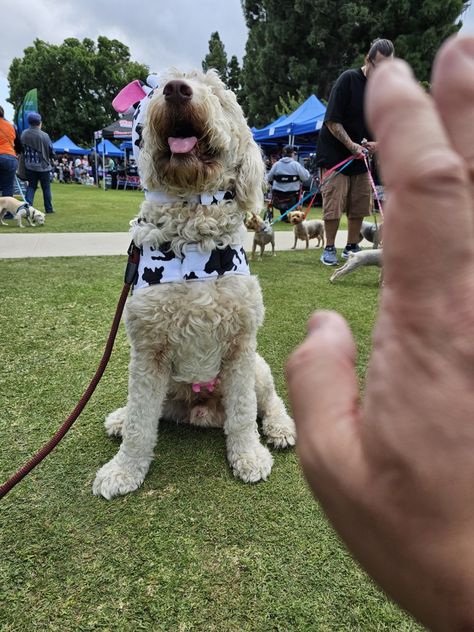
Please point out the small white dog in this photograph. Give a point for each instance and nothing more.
(20, 210)
(369, 257)
(193, 316)
(306, 229)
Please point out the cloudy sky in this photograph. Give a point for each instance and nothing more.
(159, 33)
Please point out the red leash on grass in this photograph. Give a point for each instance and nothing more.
(130, 272)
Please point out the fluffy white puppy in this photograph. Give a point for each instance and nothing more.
(193, 316)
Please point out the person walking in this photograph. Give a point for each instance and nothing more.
(38, 150)
(10, 146)
(343, 135)
(286, 177)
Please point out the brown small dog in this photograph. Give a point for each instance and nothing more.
(263, 234)
(306, 229)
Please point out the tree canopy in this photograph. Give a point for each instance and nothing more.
(229, 71)
(76, 83)
(299, 48)
(216, 57)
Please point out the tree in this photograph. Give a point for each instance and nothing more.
(216, 57)
(233, 75)
(76, 83)
(304, 46)
(289, 103)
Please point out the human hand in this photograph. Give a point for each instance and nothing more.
(395, 474)
(356, 149)
(371, 147)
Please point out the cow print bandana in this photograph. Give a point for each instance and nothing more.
(162, 265)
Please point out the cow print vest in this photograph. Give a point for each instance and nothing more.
(162, 265)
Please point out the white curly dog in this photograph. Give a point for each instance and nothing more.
(193, 315)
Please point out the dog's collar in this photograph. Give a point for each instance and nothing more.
(161, 265)
(202, 198)
(266, 228)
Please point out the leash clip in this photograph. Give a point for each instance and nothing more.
(132, 265)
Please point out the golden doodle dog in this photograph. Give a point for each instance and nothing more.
(193, 316)
(263, 234)
(306, 229)
(20, 210)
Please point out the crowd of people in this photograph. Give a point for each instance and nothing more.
(31, 158)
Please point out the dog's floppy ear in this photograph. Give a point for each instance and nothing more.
(250, 175)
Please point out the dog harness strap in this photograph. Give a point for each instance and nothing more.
(25, 206)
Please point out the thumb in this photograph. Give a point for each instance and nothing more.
(324, 395)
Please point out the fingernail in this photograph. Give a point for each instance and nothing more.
(317, 321)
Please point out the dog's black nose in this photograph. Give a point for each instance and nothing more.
(178, 91)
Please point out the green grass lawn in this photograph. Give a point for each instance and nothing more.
(194, 549)
(83, 209)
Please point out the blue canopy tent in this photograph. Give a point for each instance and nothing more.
(66, 146)
(266, 133)
(107, 148)
(306, 119)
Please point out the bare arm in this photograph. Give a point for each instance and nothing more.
(338, 131)
(395, 475)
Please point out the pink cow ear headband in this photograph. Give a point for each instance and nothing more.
(129, 97)
(134, 99)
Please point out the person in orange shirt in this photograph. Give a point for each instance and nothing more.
(10, 146)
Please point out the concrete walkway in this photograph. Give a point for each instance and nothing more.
(38, 244)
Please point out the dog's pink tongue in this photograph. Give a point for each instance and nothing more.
(182, 145)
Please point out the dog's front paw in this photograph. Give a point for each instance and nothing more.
(251, 464)
(119, 476)
(114, 422)
(280, 430)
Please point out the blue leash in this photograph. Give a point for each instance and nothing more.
(20, 189)
(311, 193)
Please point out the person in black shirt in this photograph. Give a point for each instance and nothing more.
(345, 134)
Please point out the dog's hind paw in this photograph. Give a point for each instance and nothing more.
(114, 422)
(251, 465)
(280, 431)
(118, 477)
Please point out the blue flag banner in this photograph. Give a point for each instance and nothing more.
(30, 104)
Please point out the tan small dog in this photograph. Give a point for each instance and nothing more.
(306, 229)
(20, 210)
(263, 234)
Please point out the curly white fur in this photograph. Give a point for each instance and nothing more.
(195, 331)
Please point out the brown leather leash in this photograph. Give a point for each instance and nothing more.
(130, 274)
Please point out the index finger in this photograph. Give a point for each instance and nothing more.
(428, 223)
